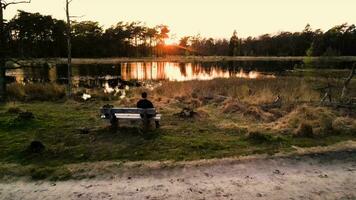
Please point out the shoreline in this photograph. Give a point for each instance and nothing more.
(182, 59)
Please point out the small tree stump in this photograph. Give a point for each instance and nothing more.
(36, 147)
(25, 116)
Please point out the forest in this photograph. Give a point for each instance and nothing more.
(37, 35)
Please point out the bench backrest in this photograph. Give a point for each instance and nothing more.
(108, 112)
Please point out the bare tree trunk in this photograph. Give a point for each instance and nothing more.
(345, 89)
(69, 49)
(2, 55)
(151, 50)
(136, 45)
(3, 46)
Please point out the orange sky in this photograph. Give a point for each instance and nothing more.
(211, 18)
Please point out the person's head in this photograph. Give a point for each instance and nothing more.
(144, 95)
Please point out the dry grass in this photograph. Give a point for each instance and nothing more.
(35, 91)
(244, 100)
(344, 124)
(319, 118)
(235, 103)
(255, 91)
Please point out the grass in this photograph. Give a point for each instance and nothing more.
(246, 130)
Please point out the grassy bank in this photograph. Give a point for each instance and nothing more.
(229, 119)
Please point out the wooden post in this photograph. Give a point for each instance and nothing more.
(2, 80)
(69, 49)
(2, 55)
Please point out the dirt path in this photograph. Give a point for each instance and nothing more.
(315, 176)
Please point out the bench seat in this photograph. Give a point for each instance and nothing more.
(131, 116)
(115, 114)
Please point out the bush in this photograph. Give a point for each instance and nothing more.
(35, 91)
(259, 137)
(16, 91)
(304, 130)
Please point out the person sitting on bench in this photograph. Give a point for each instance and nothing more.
(144, 103)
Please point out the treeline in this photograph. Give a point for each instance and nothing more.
(338, 41)
(36, 35)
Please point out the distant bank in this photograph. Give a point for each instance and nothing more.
(182, 59)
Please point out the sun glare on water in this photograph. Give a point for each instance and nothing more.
(178, 72)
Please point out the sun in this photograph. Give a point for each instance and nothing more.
(170, 41)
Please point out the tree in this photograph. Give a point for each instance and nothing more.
(87, 38)
(151, 34)
(33, 34)
(4, 46)
(161, 37)
(234, 44)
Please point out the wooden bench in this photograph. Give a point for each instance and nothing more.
(136, 114)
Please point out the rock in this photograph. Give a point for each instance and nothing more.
(350, 169)
(259, 195)
(278, 188)
(23, 116)
(323, 176)
(36, 147)
(187, 113)
(84, 131)
(278, 172)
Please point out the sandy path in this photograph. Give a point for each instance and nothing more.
(316, 176)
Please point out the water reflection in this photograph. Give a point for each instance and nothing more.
(178, 72)
(112, 76)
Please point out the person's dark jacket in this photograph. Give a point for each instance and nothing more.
(144, 104)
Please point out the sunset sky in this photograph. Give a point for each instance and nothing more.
(210, 18)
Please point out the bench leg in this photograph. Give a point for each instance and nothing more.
(157, 124)
(114, 123)
(146, 124)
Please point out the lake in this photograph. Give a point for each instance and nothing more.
(97, 76)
